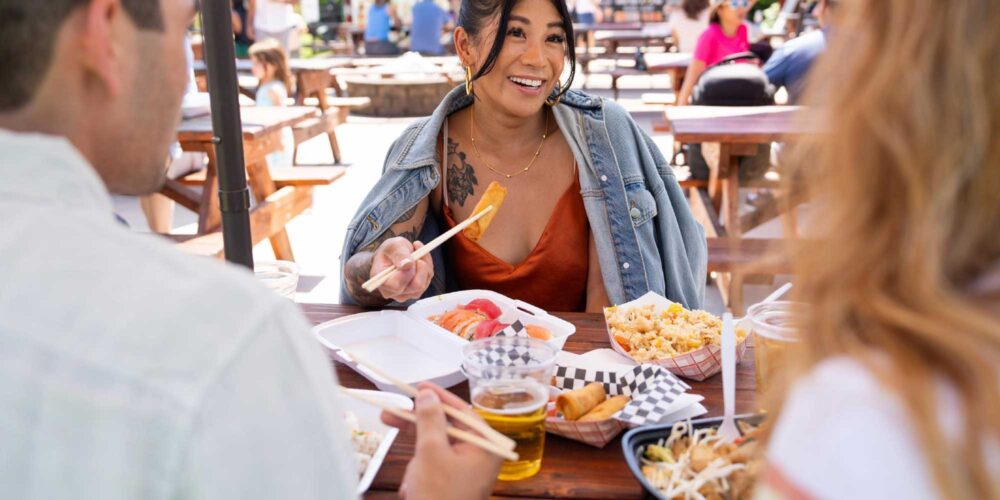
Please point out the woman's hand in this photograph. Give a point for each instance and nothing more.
(411, 278)
(441, 469)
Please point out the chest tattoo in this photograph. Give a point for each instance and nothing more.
(461, 175)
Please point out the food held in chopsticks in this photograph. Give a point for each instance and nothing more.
(494, 195)
(647, 334)
(589, 404)
(698, 464)
(481, 318)
(365, 443)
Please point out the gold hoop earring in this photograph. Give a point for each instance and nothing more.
(468, 80)
(558, 91)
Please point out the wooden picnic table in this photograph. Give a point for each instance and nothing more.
(279, 195)
(726, 135)
(569, 468)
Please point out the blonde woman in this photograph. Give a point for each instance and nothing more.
(902, 344)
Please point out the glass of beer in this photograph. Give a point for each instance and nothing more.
(509, 381)
(775, 337)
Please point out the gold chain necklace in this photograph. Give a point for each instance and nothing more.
(475, 148)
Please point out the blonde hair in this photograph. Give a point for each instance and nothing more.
(907, 184)
(271, 53)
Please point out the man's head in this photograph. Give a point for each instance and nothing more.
(108, 75)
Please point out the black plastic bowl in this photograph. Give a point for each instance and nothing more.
(637, 439)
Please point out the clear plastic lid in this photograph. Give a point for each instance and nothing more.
(776, 320)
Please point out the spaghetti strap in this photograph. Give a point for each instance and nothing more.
(444, 163)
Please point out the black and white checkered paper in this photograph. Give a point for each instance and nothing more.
(652, 389)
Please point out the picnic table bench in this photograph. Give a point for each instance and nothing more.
(280, 194)
(569, 469)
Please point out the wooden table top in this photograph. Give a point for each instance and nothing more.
(569, 468)
(257, 122)
(738, 124)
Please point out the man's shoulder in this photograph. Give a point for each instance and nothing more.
(110, 295)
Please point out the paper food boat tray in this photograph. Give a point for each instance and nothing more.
(601, 432)
(698, 364)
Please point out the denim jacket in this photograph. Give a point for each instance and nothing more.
(646, 237)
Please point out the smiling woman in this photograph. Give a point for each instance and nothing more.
(593, 213)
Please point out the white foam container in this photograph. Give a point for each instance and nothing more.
(397, 344)
(409, 347)
(526, 313)
(369, 420)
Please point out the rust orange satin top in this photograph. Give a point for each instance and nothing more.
(553, 276)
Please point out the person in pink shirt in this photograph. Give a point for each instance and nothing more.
(726, 35)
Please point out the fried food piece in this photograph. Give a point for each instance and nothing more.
(575, 404)
(494, 195)
(538, 332)
(604, 410)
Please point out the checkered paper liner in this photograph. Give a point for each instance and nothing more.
(652, 389)
(510, 356)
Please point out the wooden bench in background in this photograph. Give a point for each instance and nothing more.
(335, 112)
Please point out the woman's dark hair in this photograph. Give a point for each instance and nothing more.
(694, 7)
(473, 15)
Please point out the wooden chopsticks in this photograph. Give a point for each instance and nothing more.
(459, 434)
(379, 279)
(501, 441)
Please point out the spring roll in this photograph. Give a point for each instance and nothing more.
(575, 404)
(494, 195)
(604, 410)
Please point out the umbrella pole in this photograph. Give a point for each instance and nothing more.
(234, 197)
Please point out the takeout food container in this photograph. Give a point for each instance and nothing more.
(698, 364)
(656, 396)
(369, 420)
(635, 441)
(517, 310)
(409, 347)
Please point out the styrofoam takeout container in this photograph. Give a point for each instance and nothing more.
(411, 348)
(698, 364)
(513, 310)
(369, 420)
(398, 345)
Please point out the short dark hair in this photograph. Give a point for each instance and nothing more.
(474, 14)
(692, 8)
(28, 30)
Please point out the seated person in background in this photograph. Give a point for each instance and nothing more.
(270, 67)
(901, 343)
(381, 19)
(593, 214)
(128, 369)
(726, 35)
(791, 62)
(585, 11)
(688, 23)
(275, 19)
(429, 24)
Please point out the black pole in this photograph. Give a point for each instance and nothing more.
(234, 197)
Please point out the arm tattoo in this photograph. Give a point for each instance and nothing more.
(461, 179)
(410, 234)
(357, 271)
